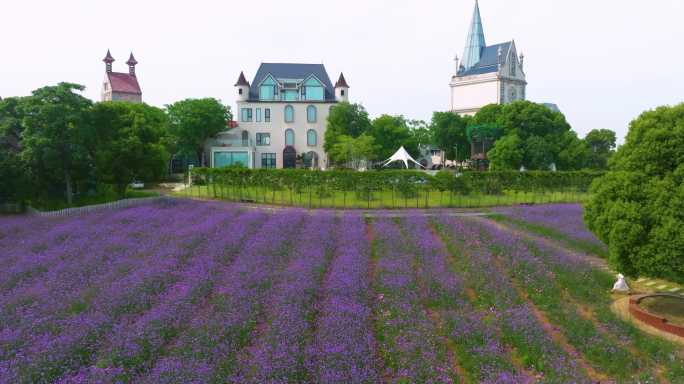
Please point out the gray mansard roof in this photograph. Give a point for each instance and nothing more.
(489, 60)
(292, 72)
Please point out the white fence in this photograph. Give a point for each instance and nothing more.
(99, 207)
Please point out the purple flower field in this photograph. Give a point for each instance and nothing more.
(567, 219)
(199, 292)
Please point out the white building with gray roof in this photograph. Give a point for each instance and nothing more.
(281, 118)
(486, 74)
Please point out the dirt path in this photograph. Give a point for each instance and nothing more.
(621, 308)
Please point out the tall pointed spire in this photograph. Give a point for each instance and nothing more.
(475, 41)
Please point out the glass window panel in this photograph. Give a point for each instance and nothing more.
(290, 95)
(311, 138)
(289, 114)
(268, 160)
(246, 114)
(311, 114)
(258, 115)
(263, 139)
(225, 159)
(267, 92)
(289, 137)
(267, 115)
(315, 93)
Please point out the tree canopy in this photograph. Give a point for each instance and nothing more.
(345, 119)
(126, 143)
(450, 134)
(542, 136)
(390, 133)
(194, 121)
(601, 144)
(638, 208)
(353, 151)
(54, 120)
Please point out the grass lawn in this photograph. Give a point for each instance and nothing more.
(385, 199)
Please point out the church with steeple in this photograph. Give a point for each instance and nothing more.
(486, 74)
(118, 86)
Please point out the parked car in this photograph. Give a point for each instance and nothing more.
(137, 184)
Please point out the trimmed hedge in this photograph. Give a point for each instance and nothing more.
(405, 182)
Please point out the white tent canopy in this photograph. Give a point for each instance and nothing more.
(403, 156)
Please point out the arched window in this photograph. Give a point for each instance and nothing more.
(289, 114)
(311, 138)
(289, 137)
(311, 114)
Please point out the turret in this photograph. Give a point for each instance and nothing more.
(456, 63)
(131, 65)
(108, 60)
(522, 61)
(242, 87)
(341, 89)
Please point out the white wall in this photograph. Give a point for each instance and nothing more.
(474, 92)
(277, 128)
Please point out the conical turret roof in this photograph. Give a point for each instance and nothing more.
(108, 59)
(341, 82)
(241, 80)
(131, 60)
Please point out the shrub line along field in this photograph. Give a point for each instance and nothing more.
(193, 292)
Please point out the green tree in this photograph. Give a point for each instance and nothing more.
(14, 176)
(55, 119)
(354, 150)
(545, 137)
(601, 143)
(389, 134)
(126, 143)
(345, 120)
(420, 132)
(11, 127)
(638, 208)
(450, 134)
(573, 152)
(194, 121)
(507, 154)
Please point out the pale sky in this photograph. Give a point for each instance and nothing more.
(602, 61)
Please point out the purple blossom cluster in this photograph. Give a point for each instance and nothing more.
(472, 329)
(342, 349)
(277, 353)
(197, 292)
(513, 316)
(410, 342)
(565, 218)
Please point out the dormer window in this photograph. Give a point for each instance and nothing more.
(240, 91)
(268, 89)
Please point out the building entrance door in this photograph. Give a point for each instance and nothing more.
(289, 157)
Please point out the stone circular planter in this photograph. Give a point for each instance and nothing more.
(655, 321)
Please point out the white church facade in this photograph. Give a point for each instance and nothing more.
(486, 75)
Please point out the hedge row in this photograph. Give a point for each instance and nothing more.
(405, 182)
